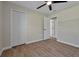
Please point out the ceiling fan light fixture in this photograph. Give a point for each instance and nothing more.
(49, 3)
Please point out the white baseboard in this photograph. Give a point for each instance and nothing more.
(68, 43)
(34, 41)
(4, 49)
(26, 43)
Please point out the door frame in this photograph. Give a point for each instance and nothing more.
(55, 27)
(44, 28)
(53, 35)
(11, 11)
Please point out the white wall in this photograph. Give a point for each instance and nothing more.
(34, 24)
(1, 38)
(68, 26)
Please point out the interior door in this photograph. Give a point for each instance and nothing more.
(17, 27)
(46, 28)
(52, 28)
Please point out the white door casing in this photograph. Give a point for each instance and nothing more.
(46, 28)
(54, 27)
(50, 26)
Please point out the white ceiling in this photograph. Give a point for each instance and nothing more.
(56, 7)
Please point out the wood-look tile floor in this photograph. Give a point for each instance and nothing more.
(45, 48)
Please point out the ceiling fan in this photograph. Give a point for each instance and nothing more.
(49, 3)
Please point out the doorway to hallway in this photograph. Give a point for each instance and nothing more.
(49, 28)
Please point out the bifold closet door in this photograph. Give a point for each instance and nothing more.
(17, 28)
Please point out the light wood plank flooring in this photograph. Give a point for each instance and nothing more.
(45, 48)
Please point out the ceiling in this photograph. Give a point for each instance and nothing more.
(45, 10)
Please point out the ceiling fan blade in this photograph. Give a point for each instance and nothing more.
(50, 7)
(59, 1)
(41, 6)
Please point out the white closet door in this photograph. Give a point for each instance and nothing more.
(17, 27)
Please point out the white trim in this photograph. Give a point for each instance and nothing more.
(68, 43)
(34, 41)
(4, 49)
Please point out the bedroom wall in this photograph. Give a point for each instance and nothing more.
(68, 26)
(34, 24)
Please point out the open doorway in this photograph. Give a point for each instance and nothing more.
(49, 28)
(52, 28)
